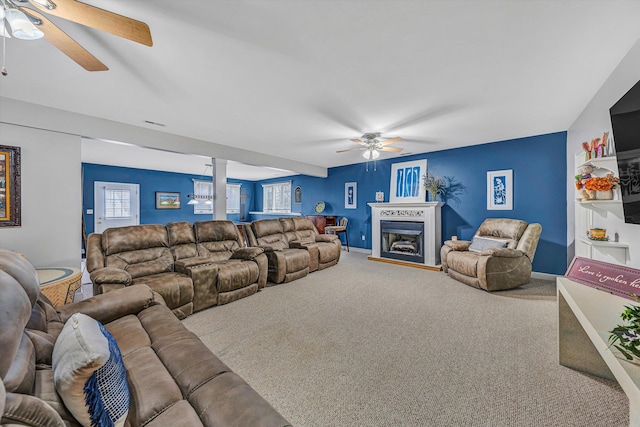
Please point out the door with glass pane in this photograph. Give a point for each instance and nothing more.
(115, 205)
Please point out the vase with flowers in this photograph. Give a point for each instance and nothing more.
(601, 187)
(435, 185)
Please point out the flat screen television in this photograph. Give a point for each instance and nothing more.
(625, 122)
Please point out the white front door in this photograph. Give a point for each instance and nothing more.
(115, 205)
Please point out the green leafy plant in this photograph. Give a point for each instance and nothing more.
(626, 338)
(446, 186)
(434, 184)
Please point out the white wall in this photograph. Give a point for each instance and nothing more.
(593, 121)
(51, 230)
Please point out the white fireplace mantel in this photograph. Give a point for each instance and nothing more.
(428, 213)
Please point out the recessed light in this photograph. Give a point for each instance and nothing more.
(149, 122)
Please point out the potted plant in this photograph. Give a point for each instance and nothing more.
(435, 185)
(626, 338)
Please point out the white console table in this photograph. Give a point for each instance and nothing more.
(585, 317)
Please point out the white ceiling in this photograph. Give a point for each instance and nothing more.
(297, 79)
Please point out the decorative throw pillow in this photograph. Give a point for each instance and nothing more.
(480, 243)
(89, 373)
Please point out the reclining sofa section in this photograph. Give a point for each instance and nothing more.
(191, 267)
(293, 247)
(173, 378)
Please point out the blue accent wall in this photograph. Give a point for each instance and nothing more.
(539, 193)
(151, 181)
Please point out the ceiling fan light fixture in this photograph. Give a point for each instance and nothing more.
(371, 154)
(45, 3)
(21, 26)
(3, 31)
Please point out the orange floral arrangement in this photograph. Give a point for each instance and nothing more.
(605, 183)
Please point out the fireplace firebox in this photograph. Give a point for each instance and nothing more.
(402, 240)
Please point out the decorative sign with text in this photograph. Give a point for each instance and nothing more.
(617, 279)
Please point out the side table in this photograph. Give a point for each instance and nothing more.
(59, 284)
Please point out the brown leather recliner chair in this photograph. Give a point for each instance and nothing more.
(324, 249)
(286, 263)
(499, 257)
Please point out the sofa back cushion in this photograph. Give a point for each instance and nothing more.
(217, 239)
(142, 250)
(19, 288)
(269, 232)
(289, 229)
(182, 240)
(507, 230)
(305, 230)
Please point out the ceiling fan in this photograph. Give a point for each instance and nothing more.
(30, 24)
(371, 144)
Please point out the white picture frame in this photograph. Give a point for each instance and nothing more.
(500, 190)
(406, 182)
(350, 195)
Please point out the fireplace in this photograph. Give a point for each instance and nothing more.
(402, 240)
(406, 233)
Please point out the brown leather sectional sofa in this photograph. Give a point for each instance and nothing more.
(173, 379)
(293, 247)
(191, 267)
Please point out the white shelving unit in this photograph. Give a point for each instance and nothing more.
(589, 211)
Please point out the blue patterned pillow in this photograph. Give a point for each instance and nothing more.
(89, 373)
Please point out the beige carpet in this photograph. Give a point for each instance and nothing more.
(372, 344)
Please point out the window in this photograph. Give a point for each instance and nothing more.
(233, 198)
(276, 197)
(117, 203)
(203, 192)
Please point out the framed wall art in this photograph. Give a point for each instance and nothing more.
(500, 190)
(297, 195)
(350, 195)
(406, 182)
(10, 212)
(165, 200)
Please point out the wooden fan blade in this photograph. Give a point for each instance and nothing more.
(390, 141)
(66, 44)
(357, 141)
(394, 149)
(350, 149)
(100, 19)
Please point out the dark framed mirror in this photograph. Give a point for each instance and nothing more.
(9, 186)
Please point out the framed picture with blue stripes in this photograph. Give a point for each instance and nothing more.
(406, 182)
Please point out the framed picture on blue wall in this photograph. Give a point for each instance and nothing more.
(500, 190)
(406, 182)
(350, 195)
(165, 200)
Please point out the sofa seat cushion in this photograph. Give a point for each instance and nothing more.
(464, 262)
(236, 274)
(328, 252)
(296, 260)
(175, 288)
(166, 364)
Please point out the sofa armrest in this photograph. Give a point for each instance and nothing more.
(107, 275)
(247, 253)
(112, 305)
(502, 252)
(297, 244)
(267, 248)
(183, 265)
(327, 238)
(458, 245)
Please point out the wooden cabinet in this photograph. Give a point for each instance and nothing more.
(321, 221)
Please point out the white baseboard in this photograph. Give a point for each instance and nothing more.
(360, 250)
(544, 276)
